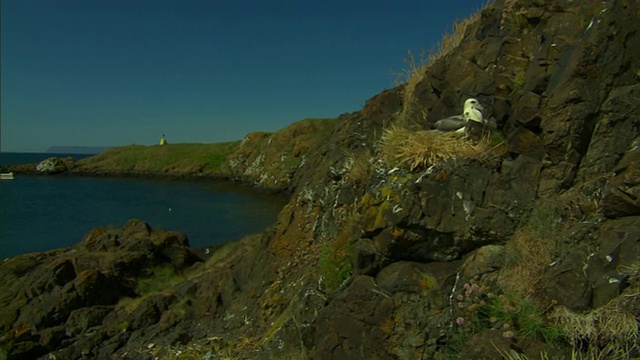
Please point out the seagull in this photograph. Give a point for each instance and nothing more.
(472, 111)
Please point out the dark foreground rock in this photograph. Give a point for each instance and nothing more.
(71, 300)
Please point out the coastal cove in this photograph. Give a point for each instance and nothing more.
(40, 213)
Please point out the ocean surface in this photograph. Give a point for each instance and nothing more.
(39, 213)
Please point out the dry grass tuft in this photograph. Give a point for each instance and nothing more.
(452, 40)
(359, 166)
(416, 66)
(410, 77)
(531, 250)
(413, 65)
(420, 149)
(534, 255)
(605, 331)
(610, 331)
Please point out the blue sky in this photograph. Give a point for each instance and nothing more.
(118, 72)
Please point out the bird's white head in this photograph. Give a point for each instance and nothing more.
(473, 110)
(472, 103)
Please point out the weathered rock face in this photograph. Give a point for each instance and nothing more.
(446, 211)
(370, 260)
(270, 160)
(622, 191)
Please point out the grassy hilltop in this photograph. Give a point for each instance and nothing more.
(178, 159)
(267, 160)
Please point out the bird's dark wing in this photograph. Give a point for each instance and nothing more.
(451, 123)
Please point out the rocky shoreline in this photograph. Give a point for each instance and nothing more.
(68, 169)
(58, 297)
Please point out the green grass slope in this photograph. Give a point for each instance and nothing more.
(170, 159)
(265, 160)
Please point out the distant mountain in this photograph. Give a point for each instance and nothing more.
(76, 149)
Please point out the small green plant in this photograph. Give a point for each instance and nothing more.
(519, 79)
(334, 266)
(159, 279)
(519, 22)
(523, 315)
(124, 326)
(496, 138)
(480, 308)
(544, 219)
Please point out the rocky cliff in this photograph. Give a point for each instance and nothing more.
(270, 161)
(397, 244)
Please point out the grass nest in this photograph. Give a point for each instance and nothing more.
(420, 149)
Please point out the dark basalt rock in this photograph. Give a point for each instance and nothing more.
(622, 192)
(60, 296)
(353, 326)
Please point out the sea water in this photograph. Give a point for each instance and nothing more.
(39, 213)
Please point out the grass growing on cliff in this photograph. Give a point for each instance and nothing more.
(514, 306)
(358, 167)
(334, 263)
(606, 332)
(160, 278)
(515, 315)
(531, 250)
(416, 67)
(522, 315)
(403, 147)
(610, 331)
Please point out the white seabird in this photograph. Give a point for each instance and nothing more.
(472, 111)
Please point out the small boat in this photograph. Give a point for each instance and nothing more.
(6, 176)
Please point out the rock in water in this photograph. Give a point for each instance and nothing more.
(51, 165)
